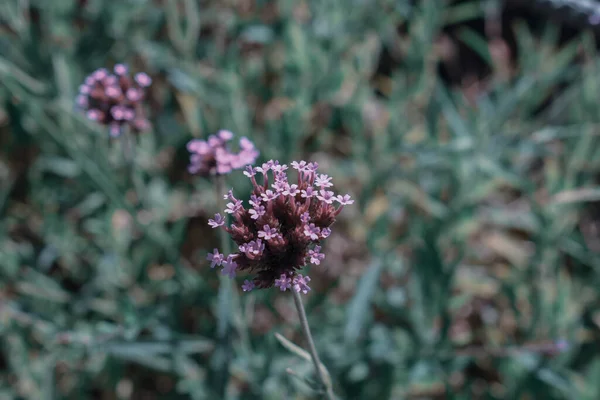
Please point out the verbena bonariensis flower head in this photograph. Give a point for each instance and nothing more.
(213, 156)
(282, 228)
(115, 99)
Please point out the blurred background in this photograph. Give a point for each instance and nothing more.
(467, 131)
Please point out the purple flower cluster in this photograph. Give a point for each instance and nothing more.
(213, 157)
(114, 99)
(282, 228)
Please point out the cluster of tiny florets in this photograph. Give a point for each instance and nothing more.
(213, 156)
(115, 99)
(282, 228)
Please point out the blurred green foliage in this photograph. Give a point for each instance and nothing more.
(473, 246)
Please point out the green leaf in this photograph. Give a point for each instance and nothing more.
(359, 312)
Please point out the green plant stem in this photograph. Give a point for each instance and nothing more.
(128, 147)
(128, 144)
(311, 346)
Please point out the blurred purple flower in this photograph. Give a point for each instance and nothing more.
(218, 221)
(229, 267)
(283, 283)
(315, 256)
(215, 257)
(300, 283)
(247, 286)
(115, 100)
(257, 212)
(213, 156)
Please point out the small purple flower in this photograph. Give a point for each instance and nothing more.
(269, 195)
(223, 168)
(305, 217)
(225, 135)
(143, 79)
(198, 146)
(325, 232)
(246, 144)
(110, 80)
(121, 69)
(214, 141)
(85, 89)
(291, 190)
(281, 178)
(280, 186)
(248, 285)
(113, 92)
(309, 192)
(118, 113)
(229, 267)
(218, 221)
(263, 169)
(315, 256)
(248, 156)
(255, 201)
(100, 74)
(250, 171)
(323, 181)
(283, 283)
(345, 200)
(229, 196)
(215, 257)
(214, 157)
(257, 212)
(128, 115)
(268, 233)
(253, 248)
(134, 94)
(301, 283)
(233, 207)
(326, 196)
(300, 166)
(256, 247)
(312, 231)
(277, 168)
(94, 115)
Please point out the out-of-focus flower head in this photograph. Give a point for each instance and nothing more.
(282, 229)
(115, 99)
(213, 156)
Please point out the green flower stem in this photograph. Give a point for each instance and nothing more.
(311, 346)
(128, 143)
